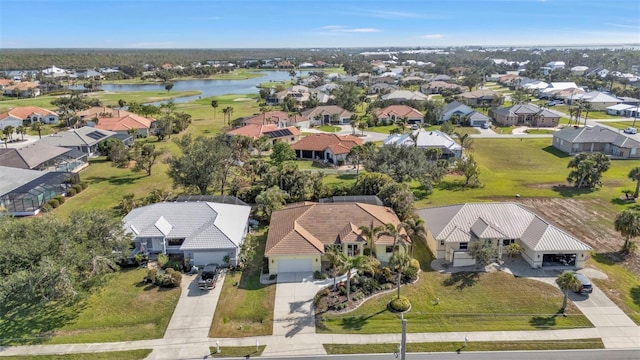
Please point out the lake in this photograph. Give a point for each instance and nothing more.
(208, 87)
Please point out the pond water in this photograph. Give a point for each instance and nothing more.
(208, 87)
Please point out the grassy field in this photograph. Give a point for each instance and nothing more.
(539, 131)
(334, 349)
(593, 114)
(109, 99)
(123, 309)
(207, 121)
(120, 355)
(532, 168)
(621, 125)
(245, 307)
(626, 284)
(329, 128)
(236, 351)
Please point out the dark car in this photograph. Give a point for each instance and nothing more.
(208, 277)
(585, 284)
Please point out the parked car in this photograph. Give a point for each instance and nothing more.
(208, 277)
(630, 130)
(585, 284)
(414, 127)
(486, 125)
(554, 102)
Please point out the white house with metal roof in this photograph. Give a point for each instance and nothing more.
(423, 139)
(85, 139)
(452, 229)
(203, 232)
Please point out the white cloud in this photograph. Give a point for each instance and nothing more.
(391, 14)
(433, 36)
(624, 25)
(346, 29)
(361, 30)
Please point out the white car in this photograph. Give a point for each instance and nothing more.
(630, 130)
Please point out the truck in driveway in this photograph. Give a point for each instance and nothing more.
(208, 277)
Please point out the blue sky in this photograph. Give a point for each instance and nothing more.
(315, 23)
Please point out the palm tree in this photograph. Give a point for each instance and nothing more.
(465, 141)
(333, 255)
(628, 224)
(230, 113)
(634, 175)
(567, 281)
(587, 107)
(370, 233)
(356, 153)
(21, 130)
(4, 139)
(359, 262)
(415, 230)
(37, 126)
(400, 262)
(214, 104)
(396, 232)
(354, 123)
(8, 131)
(225, 112)
(121, 103)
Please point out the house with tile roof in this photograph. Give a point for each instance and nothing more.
(85, 139)
(404, 95)
(524, 114)
(43, 157)
(392, 113)
(21, 114)
(118, 120)
(577, 139)
(328, 114)
(436, 87)
(289, 134)
(433, 139)
(300, 234)
(203, 232)
(452, 229)
(478, 97)
(22, 89)
(280, 118)
(326, 147)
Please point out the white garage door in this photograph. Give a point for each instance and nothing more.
(208, 257)
(295, 265)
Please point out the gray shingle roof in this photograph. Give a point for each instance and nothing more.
(498, 220)
(13, 178)
(30, 156)
(78, 137)
(586, 134)
(204, 225)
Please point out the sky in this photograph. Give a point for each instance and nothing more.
(314, 23)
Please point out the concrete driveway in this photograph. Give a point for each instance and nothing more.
(293, 311)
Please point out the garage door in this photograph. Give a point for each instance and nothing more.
(295, 265)
(477, 123)
(208, 257)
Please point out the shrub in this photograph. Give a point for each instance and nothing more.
(163, 259)
(368, 285)
(338, 306)
(176, 277)
(415, 264)
(151, 275)
(54, 203)
(140, 258)
(71, 192)
(319, 275)
(163, 280)
(357, 296)
(410, 275)
(77, 188)
(171, 264)
(385, 275)
(60, 199)
(46, 208)
(400, 304)
(84, 184)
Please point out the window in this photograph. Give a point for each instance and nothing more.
(507, 242)
(441, 242)
(388, 249)
(293, 139)
(175, 242)
(464, 246)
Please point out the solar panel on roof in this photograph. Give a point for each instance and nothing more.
(95, 135)
(279, 133)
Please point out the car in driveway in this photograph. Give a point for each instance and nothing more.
(554, 102)
(630, 130)
(585, 284)
(208, 277)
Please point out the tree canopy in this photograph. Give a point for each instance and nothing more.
(588, 169)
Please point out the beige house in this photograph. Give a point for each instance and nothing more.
(522, 114)
(300, 234)
(575, 139)
(451, 230)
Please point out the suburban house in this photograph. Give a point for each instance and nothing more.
(452, 229)
(396, 112)
(98, 112)
(142, 126)
(436, 87)
(289, 134)
(24, 191)
(404, 95)
(599, 100)
(301, 233)
(478, 97)
(298, 92)
(85, 139)
(624, 110)
(22, 89)
(382, 88)
(327, 147)
(521, 114)
(460, 111)
(575, 139)
(434, 139)
(19, 115)
(280, 118)
(202, 232)
(328, 114)
(43, 157)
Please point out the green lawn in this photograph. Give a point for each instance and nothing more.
(593, 114)
(329, 128)
(382, 129)
(466, 130)
(245, 307)
(333, 349)
(205, 120)
(236, 351)
(120, 355)
(503, 130)
(539, 131)
(532, 168)
(625, 283)
(123, 309)
(621, 125)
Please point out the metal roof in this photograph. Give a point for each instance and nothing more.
(498, 220)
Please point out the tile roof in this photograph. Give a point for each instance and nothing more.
(319, 142)
(103, 112)
(204, 225)
(479, 94)
(30, 156)
(400, 111)
(273, 117)
(305, 228)
(256, 131)
(326, 110)
(498, 220)
(24, 112)
(131, 121)
(25, 85)
(405, 95)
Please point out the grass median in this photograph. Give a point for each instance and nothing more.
(120, 355)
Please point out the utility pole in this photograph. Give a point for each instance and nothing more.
(403, 341)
